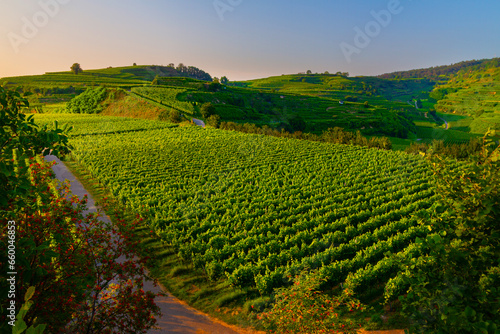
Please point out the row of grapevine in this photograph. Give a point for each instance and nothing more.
(166, 96)
(84, 124)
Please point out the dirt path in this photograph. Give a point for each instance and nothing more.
(177, 317)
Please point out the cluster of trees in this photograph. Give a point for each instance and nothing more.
(438, 72)
(457, 151)
(50, 90)
(332, 135)
(68, 279)
(342, 74)
(172, 115)
(191, 71)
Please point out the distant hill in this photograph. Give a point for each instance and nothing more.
(146, 72)
(395, 107)
(111, 76)
(440, 73)
(367, 88)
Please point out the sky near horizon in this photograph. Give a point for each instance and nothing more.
(246, 39)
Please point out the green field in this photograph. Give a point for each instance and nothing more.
(275, 101)
(165, 96)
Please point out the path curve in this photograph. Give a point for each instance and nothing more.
(177, 317)
(445, 122)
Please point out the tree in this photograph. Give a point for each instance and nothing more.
(76, 68)
(174, 116)
(454, 286)
(224, 80)
(309, 72)
(214, 121)
(366, 104)
(207, 110)
(418, 104)
(297, 123)
(214, 86)
(21, 138)
(135, 64)
(181, 68)
(65, 253)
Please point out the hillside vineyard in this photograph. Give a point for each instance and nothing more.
(255, 209)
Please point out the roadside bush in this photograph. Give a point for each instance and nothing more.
(303, 308)
(454, 286)
(214, 121)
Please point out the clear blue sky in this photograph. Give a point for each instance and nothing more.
(245, 39)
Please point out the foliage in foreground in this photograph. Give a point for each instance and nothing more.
(454, 286)
(70, 259)
(21, 138)
(303, 308)
(20, 325)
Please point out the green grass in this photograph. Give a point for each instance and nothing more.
(166, 96)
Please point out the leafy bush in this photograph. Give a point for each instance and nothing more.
(214, 120)
(350, 98)
(172, 116)
(303, 308)
(88, 102)
(454, 286)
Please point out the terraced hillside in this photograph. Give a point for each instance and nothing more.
(474, 95)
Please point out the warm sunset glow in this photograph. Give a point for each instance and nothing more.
(247, 39)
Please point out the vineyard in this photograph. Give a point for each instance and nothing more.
(165, 97)
(92, 124)
(254, 210)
